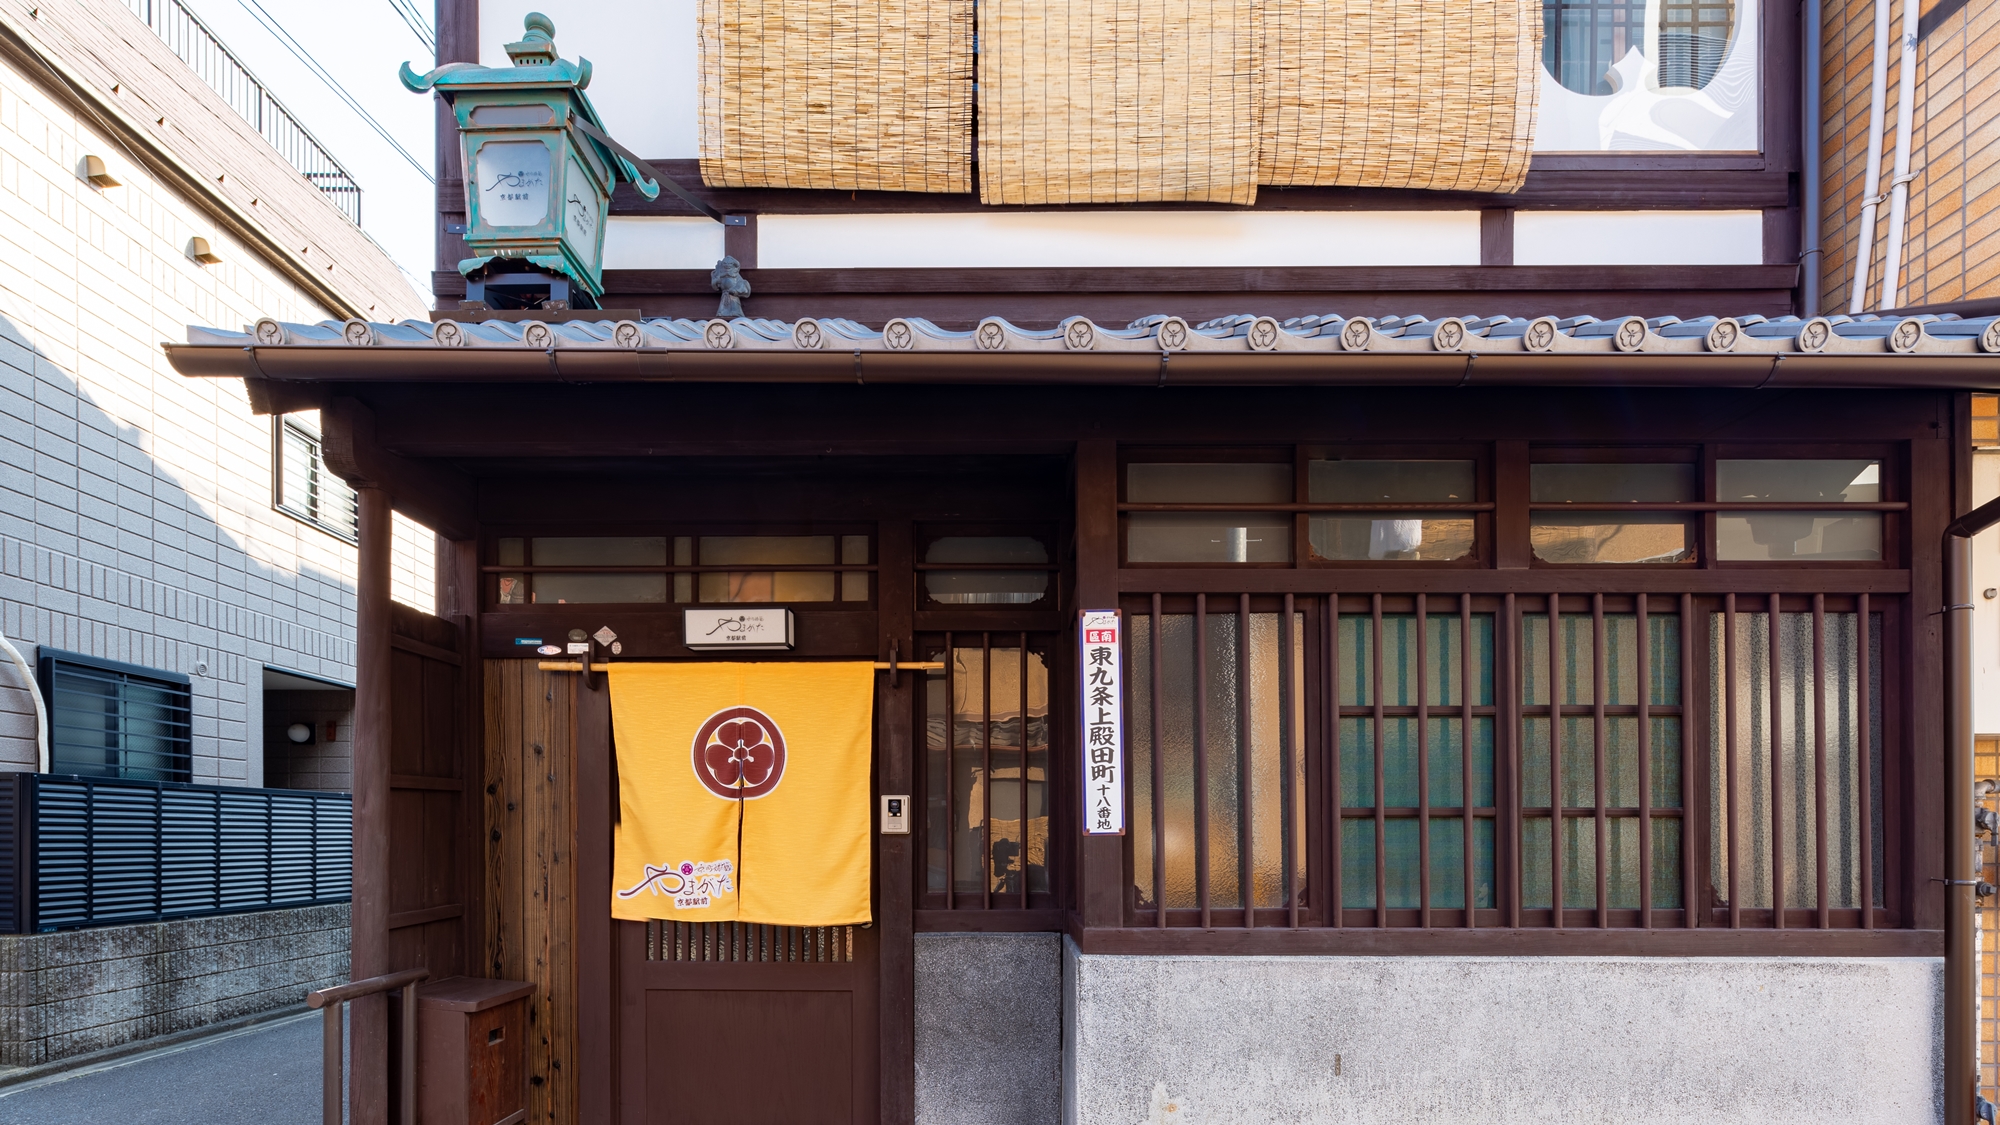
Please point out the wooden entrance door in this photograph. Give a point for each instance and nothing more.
(736, 1024)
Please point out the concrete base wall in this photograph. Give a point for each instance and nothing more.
(1545, 1041)
(989, 1036)
(67, 993)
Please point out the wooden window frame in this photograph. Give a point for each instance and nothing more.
(1880, 591)
(986, 912)
(490, 569)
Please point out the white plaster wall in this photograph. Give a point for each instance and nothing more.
(135, 505)
(1638, 238)
(662, 242)
(644, 79)
(1538, 1041)
(1120, 238)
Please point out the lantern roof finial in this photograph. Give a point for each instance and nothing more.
(538, 41)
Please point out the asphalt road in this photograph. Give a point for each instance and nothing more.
(263, 1075)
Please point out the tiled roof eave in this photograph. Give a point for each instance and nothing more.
(1751, 351)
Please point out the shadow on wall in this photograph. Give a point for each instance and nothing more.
(106, 551)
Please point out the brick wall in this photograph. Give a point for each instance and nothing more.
(64, 994)
(1952, 241)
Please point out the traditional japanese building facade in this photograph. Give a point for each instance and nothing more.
(1536, 699)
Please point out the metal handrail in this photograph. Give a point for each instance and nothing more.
(333, 1000)
(204, 53)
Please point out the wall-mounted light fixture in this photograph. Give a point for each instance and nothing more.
(301, 734)
(95, 170)
(200, 251)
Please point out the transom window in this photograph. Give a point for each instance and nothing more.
(965, 567)
(1581, 506)
(705, 569)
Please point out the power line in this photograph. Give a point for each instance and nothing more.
(271, 24)
(413, 18)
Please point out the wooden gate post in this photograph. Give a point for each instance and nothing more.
(368, 1029)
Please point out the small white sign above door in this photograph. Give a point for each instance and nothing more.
(745, 630)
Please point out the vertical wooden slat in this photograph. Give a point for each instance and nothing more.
(1777, 729)
(1690, 871)
(1465, 801)
(1727, 790)
(1865, 799)
(986, 777)
(1159, 779)
(1381, 819)
(1644, 670)
(951, 774)
(1423, 770)
(1021, 802)
(1599, 661)
(1819, 758)
(1337, 907)
(1555, 763)
(1508, 700)
(1246, 806)
(1201, 757)
(1288, 826)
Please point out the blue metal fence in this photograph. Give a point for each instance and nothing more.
(89, 851)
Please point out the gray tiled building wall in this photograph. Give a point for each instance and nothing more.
(135, 505)
(68, 993)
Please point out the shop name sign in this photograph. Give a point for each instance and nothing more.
(1103, 715)
(742, 630)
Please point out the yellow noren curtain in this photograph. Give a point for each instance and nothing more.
(743, 792)
(1400, 93)
(872, 95)
(1118, 101)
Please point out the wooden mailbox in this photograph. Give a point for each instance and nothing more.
(472, 1051)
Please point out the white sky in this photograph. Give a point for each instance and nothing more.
(361, 43)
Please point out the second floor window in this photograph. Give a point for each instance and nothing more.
(304, 487)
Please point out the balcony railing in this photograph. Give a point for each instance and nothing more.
(197, 46)
(92, 851)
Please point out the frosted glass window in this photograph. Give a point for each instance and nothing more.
(1229, 698)
(1771, 796)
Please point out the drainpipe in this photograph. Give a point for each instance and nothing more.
(1809, 132)
(1961, 857)
(34, 690)
(1871, 197)
(1899, 185)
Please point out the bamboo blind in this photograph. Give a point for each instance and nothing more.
(1400, 93)
(869, 95)
(1118, 101)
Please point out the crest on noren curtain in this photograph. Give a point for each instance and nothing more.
(739, 754)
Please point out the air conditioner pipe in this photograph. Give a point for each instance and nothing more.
(34, 691)
(1961, 856)
(1871, 189)
(1810, 253)
(1899, 184)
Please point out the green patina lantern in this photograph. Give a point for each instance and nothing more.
(538, 174)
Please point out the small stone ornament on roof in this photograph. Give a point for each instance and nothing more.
(727, 279)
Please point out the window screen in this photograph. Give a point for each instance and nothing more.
(116, 720)
(305, 487)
